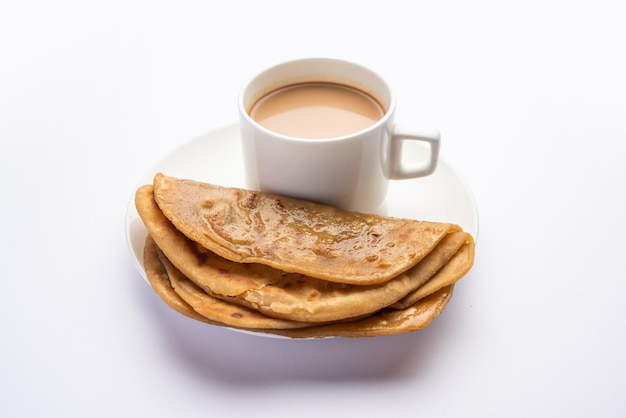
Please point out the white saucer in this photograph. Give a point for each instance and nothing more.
(216, 158)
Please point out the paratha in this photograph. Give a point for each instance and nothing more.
(294, 235)
(284, 295)
(383, 322)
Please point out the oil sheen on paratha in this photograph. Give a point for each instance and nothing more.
(294, 235)
(278, 294)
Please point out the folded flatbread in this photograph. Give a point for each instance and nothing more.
(294, 235)
(292, 296)
(166, 278)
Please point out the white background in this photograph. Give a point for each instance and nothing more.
(530, 98)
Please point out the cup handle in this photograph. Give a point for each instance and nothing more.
(397, 169)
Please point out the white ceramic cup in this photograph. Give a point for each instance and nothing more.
(351, 172)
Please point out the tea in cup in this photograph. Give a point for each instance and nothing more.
(323, 130)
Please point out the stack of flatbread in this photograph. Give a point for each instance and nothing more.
(272, 264)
